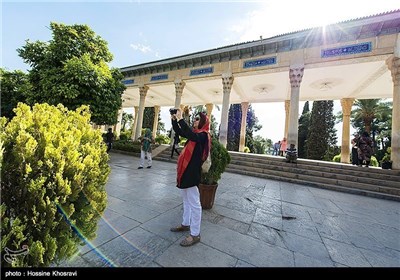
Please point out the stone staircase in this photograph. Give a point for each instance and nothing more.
(371, 181)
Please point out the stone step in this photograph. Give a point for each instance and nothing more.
(372, 181)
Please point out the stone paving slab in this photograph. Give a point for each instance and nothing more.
(255, 222)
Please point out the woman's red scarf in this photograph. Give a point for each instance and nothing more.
(187, 151)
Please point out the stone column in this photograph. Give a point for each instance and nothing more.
(117, 127)
(346, 103)
(179, 86)
(287, 107)
(227, 81)
(155, 121)
(135, 123)
(394, 66)
(296, 75)
(142, 91)
(209, 108)
(243, 125)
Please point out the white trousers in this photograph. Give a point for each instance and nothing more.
(191, 209)
(142, 154)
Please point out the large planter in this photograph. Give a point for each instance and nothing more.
(387, 165)
(207, 195)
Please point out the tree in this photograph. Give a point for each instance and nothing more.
(373, 116)
(53, 176)
(14, 88)
(304, 124)
(321, 133)
(234, 125)
(252, 126)
(126, 118)
(72, 69)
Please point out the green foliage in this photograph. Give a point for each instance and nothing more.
(337, 158)
(162, 139)
(234, 125)
(220, 159)
(53, 177)
(14, 88)
(374, 161)
(148, 117)
(387, 156)
(127, 145)
(261, 145)
(72, 69)
(126, 118)
(304, 124)
(125, 135)
(321, 134)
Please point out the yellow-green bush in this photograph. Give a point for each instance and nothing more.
(53, 176)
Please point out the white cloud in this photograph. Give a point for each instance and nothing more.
(141, 48)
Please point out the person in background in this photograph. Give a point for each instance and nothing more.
(146, 140)
(291, 154)
(277, 146)
(109, 139)
(283, 147)
(365, 149)
(354, 148)
(175, 145)
(192, 156)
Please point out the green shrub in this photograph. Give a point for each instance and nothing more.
(220, 159)
(337, 158)
(127, 145)
(162, 139)
(387, 156)
(53, 177)
(125, 135)
(374, 161)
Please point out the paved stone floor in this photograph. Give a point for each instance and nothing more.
(254, 223)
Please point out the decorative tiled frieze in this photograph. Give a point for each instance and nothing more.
(351, 49)
(159, 77)
(259, 62)
(128, 82)
(201, 71)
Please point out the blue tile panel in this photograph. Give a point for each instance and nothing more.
(201, 71)
(128, 82)
(351, 49)
(259, 62)
(159, 77)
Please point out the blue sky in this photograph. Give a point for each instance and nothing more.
(144, 31)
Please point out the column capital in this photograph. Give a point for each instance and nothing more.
(394, 66)
(179, 85)
(143, 90)
(227, 82)
(346, 103)
(296, 75)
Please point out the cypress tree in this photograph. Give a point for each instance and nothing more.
(321, 133)
(304, 123)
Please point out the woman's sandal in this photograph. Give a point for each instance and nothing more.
(180, 228)
(190, 240)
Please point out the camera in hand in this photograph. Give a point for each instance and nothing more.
(173, 111)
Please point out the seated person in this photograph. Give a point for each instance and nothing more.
(291, 154)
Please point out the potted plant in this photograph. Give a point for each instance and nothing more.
(386, 161)
(220, 159)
